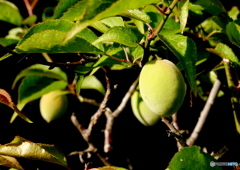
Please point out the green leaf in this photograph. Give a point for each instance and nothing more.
(184, 5)
(233, 33)
(98, 25)
(113, 21)
(233, 13)
(138, 53)
(137, 14)
(121, 35)
(10, 162)
(30, 20)
(185, 50)
(214, 7)
(98, 10)
(49, 41)
(190, 157)
(76, 12)
(60, 25)
(90, 36)
(10, 13)
(91, 82)
(8, 41)
(226, 52)
(23, 148)
(41, 70)
(62, 7)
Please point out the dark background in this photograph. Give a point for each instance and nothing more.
(142, 147)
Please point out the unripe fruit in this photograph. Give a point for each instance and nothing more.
(53, 105)
(162, 87)
(142, 112)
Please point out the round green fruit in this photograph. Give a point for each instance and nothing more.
(142, 112)
(53, 105)
(162, 87)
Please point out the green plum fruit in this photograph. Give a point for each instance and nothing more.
(142, 112)
(53, 105)
(162, 87)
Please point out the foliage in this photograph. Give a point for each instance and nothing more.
(201, 37)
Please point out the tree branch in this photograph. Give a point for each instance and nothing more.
(204, 113)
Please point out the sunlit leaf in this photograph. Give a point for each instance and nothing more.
(76, 12)
(137, 14)
(91, 82)
(113, 21)
(10, 13)
(98, 10)
(10, 162)
(62, 7)
(23, 148)
(121, 35)
(184, 5)
(49, 41)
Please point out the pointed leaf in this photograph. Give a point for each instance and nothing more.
(184, 5)
(226, 52)
(10, 162)
(113, 21)
(98, 10)
(10, 13)
(91, 82)
(190, 157)
(49, 41)
(138, 53)
(62, 7)
(59, 24)
(233, 33)
(5, 98)
(121, 35)
(41, 70)
(76, 12)
(23, 148)
(137, 14)
(185, 50)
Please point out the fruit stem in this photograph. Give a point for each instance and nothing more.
(174, 132)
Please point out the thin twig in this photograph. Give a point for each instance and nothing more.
(204, 113)
(110, 116)
(91, 147)
(28, 6)
(103, 104)
(125, 99)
